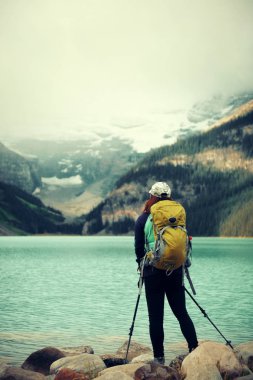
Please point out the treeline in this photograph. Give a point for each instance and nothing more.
(22, 212)
(239, 221)
(92, 222)
(220, 196)
(212, 197)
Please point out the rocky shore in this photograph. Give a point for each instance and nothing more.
(209, 361)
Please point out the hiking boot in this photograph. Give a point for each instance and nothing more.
(159, 360)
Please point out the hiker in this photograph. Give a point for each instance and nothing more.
(160, 282)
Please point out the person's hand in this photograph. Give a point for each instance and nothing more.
(140, 263)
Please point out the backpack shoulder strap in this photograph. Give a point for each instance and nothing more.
(149, 234)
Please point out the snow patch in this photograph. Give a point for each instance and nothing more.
(79, 167)
(226, 110)
(70, 181)
(65, 161)
(36, 191)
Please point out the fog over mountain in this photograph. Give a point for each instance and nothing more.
(106, 67)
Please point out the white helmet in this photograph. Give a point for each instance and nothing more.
(159, 189)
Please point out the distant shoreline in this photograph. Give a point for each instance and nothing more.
(123, 235)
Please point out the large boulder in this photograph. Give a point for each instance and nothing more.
(156, 371)
(128, 369)
(201, 371)
(144, 358)
(135, 349)
(15, 373)
(69, 374)
(87, 364)
(117, 375)
(41, 360)
(211, 361)
(244, 352)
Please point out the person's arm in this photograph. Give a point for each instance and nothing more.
(140, 237)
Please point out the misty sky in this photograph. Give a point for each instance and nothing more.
(82, 64)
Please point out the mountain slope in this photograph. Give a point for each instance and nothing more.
(22, 213)
(211, 174)
(76, 175)
(17, 170)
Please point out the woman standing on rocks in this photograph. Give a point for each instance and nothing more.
(158, 283)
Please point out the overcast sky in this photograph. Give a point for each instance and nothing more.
(84, 63)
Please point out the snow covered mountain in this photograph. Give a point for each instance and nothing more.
(79, 168)
(155, 128)
(211, 174)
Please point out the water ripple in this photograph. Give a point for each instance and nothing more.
(71, 291)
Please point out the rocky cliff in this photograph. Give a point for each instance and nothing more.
(17, 170)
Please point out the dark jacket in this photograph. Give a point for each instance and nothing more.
(140, 244)
(140, 236)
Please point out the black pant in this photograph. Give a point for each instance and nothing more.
(156, 286)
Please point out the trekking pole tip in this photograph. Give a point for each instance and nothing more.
(229, 343)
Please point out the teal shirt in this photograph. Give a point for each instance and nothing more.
(149, 235)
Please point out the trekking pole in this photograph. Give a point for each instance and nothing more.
(188, 264)
(187, 273)
(140, 284)
(228, 342)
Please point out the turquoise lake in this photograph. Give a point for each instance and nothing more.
(72, 291)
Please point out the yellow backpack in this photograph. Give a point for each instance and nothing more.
(169, 222)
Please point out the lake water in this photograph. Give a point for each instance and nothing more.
(71, 291)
